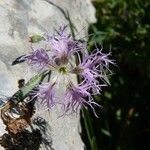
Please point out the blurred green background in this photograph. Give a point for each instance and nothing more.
(124, 120)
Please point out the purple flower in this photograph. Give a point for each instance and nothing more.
(93, 70)
(94, 66)
(39, 58)
(63, 45)
(46, 93)
(76, 97)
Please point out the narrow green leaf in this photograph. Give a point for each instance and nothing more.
(89, 129)
(32, 83)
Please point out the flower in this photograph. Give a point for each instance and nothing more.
(93, 70)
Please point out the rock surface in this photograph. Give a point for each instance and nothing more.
(18, 20)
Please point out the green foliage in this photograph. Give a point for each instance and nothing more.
(89, 129)
(36, 38)
(32, 83)
(124, 26)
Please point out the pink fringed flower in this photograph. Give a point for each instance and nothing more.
(92, 68)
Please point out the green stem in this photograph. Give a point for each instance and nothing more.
(89, 129)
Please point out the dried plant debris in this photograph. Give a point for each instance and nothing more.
(16, 118)
(18, 137)
(16, 114)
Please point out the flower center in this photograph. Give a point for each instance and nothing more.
(63, 70)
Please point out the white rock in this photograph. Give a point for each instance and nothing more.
(18, 20)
